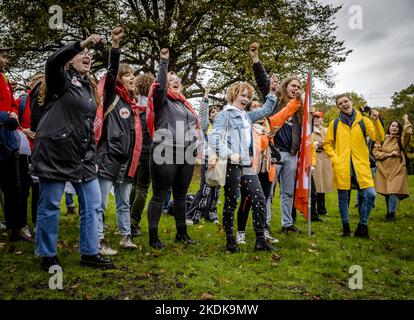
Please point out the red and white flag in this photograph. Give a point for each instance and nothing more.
(302, 192)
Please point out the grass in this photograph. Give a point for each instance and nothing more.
(305, 267)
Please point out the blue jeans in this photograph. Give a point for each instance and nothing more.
(367, 199)
(123, 217)
(287, 178)
(48, 210)
(391, 200)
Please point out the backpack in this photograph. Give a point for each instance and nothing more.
(372, 160)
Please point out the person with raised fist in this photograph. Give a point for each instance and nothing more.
(173, 124)
(120, 144)
(64, 150)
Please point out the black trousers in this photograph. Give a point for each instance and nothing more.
(10, 185)
(140, 191)
(25, 184)
(253, 189)
(165, 176)
(320, 203)
(246, 203)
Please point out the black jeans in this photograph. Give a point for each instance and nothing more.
(320, 202)
(140, 191)
(165, 176)
(251, 184)
(245, 202)
(205, 201)
(10, 185)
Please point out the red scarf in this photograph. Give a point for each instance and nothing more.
(123, 93)
(171, 96)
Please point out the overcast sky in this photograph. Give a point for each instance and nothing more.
(383, 58)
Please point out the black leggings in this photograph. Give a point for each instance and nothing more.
(165, 177)
(251, 184)
(245, 203)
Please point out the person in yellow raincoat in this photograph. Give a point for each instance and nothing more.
(349, 154)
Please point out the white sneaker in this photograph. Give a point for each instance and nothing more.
(269, 238)
(241, 237)
(126, 243)
(26, 231)
(189, 222)
(105, 249)
(2, 226)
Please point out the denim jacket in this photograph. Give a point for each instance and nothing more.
(236, 138)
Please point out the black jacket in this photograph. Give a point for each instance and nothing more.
(65, 143)
(288, 137)
(118, 132)
(171, 113)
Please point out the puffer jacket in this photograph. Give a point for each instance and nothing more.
(64, 147)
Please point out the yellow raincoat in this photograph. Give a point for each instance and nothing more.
(351, 144)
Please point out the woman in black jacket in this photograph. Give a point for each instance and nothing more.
(119, 148)
(172, 122)
(65, 151)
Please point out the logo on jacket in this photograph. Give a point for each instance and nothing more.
(124, 113)
(76, 82)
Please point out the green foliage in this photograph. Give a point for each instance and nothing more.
(204, 36)
(313, 267)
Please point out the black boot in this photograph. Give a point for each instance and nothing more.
(182, 235)
(346, 230)
(154, 241)
(390, 216)
(361, 231)
(135, 232)
(97, 261)
(231, 245)
(261, 243)
(48, 262)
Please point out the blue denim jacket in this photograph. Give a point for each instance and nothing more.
(236, 138)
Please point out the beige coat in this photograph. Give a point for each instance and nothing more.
(323, 170)
(391, 175)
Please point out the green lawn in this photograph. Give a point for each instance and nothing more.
(303, 268)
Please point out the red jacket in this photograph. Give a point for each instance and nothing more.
(25, 118)
(7, 102)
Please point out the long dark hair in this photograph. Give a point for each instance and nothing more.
(400, 130)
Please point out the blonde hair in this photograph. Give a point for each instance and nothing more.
(238, 87)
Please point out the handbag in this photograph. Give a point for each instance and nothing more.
(216, 176)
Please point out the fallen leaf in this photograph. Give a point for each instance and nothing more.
(275, 259)
(2, 244)
(200, 227)
(126, 298)
(206, 296)
(13, 270)
(376, 270)
(18, 253)
(75, 286)
(313, 245)
(313, 251)
(87, 297)
(256, 258)
(166, 230)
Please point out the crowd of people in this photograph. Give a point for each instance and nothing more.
(72, 134)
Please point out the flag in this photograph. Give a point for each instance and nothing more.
(302, 192)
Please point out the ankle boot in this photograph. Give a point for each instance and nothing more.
(346, 230)
(390, 216)
(231, 245)
(182, 235)
(261, 243)
(154, 241)
(361, 231)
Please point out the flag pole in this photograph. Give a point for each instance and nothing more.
(310, 119)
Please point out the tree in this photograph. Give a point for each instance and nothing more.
(207, 38)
